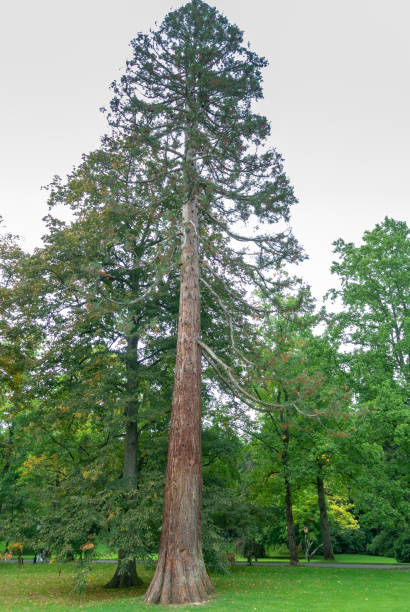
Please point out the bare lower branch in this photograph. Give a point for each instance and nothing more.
(228, 316)
(234, 382)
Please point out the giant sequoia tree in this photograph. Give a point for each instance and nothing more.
(184, 104)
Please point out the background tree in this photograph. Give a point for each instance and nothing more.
(374, 325)
(108, 333)
(304, 409)
(19, 341)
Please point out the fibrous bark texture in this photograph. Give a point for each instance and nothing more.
(324, 521)
(181, 575)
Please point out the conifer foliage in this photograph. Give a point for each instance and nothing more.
(183, 107)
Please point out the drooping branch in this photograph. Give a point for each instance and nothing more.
(229, 319)
(237, 389)
(226, 382)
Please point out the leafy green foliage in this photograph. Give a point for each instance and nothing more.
(383, 543)
(88, 330)
(374, 324)
(402, 548)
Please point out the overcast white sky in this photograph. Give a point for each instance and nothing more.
(337, 94)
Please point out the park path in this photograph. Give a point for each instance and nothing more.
(375, 566)
(312, 564)
(335, 565)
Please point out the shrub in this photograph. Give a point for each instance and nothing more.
(383, 543)
(214, 547)
(402, 548)
(350, 542)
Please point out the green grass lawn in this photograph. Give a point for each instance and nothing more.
(284, 589)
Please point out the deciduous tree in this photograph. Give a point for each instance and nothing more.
(374, 325)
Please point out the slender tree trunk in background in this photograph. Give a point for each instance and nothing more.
(8, 453)
(9, 450)
(293, 550)
(126, 573)
(290, 525)
(181, 575)
(324, 521)
(130, 475)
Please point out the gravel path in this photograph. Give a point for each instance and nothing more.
(336, 565)
(313, 564)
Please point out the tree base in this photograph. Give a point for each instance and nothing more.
(179, 579)
(125, 577)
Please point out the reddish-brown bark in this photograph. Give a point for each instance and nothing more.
(181, 575)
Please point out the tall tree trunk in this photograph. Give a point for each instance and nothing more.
(324, 521)
(293, 550)
(126, 573)
(290, 525)
(181, 575)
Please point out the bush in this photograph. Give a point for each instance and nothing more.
(402, 548)
(251, 549)
(213, 547)
(350, 542)
(278, 551)
(383, 543)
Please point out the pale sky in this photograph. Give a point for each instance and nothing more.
(337, 94)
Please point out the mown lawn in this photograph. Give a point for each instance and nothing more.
(285, 589)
